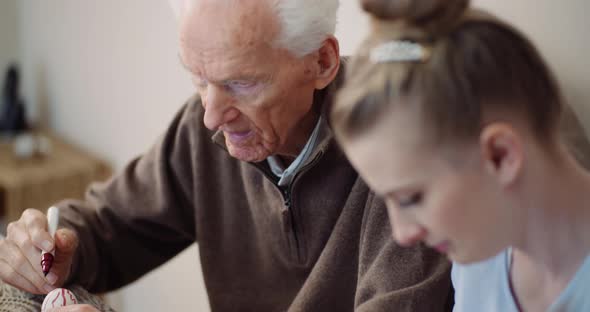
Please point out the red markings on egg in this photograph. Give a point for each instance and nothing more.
(58, 297)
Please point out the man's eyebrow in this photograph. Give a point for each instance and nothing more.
(245, 76)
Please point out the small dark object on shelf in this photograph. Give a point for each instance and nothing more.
(12, 109)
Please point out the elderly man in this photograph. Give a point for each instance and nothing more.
(282, 220)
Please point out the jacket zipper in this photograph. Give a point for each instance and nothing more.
(286, 192)
(288, 200)
(289, 189)
(286, 196)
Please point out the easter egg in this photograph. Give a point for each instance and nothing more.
(58, 297)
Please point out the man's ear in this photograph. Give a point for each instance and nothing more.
(328, 62)
(502, 152)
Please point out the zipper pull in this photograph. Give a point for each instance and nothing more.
(287, 198)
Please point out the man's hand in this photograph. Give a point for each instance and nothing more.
(20, 254)
(75, 308)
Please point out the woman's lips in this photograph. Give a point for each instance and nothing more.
(238, 137)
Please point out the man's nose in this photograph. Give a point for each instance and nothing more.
(406, 232)
(218, 107)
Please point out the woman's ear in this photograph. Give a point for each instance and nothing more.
(502, 152)
(328, 62)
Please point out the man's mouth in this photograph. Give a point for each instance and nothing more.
(238, 137)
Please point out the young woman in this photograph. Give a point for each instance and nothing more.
(454, 119)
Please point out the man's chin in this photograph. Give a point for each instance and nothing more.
(248, 154)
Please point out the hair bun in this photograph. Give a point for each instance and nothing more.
(434, 16)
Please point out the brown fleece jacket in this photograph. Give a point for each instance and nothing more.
(322, 244)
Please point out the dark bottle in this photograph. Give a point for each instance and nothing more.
(12, 109)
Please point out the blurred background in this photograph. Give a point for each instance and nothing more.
(104, 77)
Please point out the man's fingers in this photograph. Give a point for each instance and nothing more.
(16, 232)
(66, 241)
(20, 256)
(10, 276)
(36, 224)
(18, 271)
(23, 266)
(21, 238)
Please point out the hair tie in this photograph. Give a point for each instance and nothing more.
(399, 51)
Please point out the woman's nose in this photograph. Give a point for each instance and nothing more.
(406, 232)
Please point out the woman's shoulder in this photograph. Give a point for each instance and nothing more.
(496, 263)
(483, 286)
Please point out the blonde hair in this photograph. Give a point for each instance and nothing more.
(477, 65)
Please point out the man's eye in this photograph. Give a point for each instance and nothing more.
(409, 200)
(240, 85)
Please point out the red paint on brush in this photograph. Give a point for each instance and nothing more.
(46, 262)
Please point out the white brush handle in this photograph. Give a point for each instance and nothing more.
(52, 219)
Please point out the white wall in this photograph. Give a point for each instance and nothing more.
(105, 75)
(352, 26)
(560, 31)
(105, 72)
(8, 35)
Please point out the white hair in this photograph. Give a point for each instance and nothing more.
(178, 7)
(304, 24)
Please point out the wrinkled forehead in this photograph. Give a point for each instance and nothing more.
(220, 24)
(247, 14)
(220, 37)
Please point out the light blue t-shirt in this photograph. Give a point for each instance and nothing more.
(485, 287)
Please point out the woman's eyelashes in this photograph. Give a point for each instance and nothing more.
(409, 200)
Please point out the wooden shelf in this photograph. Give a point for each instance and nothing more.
(41, 181)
